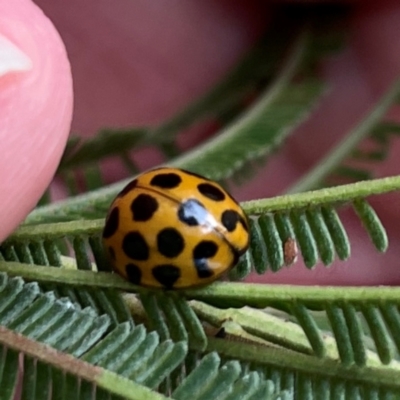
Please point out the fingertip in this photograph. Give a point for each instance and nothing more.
(35, 108)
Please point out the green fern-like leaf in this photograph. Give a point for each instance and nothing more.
(276, 113)
(334, 163)
(281, 228)
(258, 65)
(110, 359)
(38, 316)
(302, 349)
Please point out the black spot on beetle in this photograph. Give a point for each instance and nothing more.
(229, 219)
(143, 207)
(134, 273)
(204, 250)
(211, 191)
(112, 223)
(135, 246)
(129, 187)
(192, 212)
(168, 180)
(166, 274)
(170, 242)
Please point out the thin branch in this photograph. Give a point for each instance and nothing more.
(318, 367)
(101, 198)
(248, 117)
(338, 194)
(105, 379)
(333, 159)
(239, 294)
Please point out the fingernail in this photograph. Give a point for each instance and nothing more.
(12, 59)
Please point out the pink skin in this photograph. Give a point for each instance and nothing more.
(35, 108)
(139, 62)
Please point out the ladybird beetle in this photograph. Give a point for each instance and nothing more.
(172, 229)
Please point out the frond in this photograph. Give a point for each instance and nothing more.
(110, 359)
(84, 240)
(106, 143)
(261, 136)
(42, 247)
(357, 350)
(264, 126)
(309, 222)
(316, 232)
(171, 316)
(281, 228)
(79, 167)
(361, 326)
(353, 157)
(64, 326)
(211, 380)
(256, 67)
(41, 244)
(361, 329)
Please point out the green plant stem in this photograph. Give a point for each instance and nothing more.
(57, 230)
(105, 379)
(101, 198)
(343, 193)
(260, 63)
(245, 119)
(338, 194)
(331, 161)
(271, 329)
(262, 295)
(318, 367)
(233, 294)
